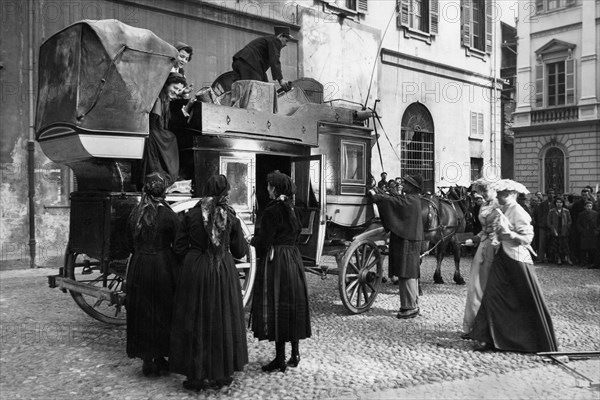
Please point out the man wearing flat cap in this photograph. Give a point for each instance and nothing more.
(401, 216)
(253, 61)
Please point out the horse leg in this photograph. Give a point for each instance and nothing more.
(456, 246)
(439, 256)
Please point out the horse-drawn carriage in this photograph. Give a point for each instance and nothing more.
(97, 83)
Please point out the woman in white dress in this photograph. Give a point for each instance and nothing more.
(480, 267)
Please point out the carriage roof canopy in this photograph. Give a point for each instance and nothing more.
(99, 77)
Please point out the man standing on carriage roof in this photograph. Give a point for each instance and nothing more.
(401, 216)
(253, 61)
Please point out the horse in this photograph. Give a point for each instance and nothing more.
(443, 217)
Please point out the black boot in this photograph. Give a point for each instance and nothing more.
(279, 362)
(162, 364)
(295, 358)
(149, 368)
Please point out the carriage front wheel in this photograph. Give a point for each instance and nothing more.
(360, 273)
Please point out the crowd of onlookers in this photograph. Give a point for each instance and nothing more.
(566, 227)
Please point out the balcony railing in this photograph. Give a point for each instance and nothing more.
(559, 114)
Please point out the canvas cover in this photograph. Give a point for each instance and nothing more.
(100, 76)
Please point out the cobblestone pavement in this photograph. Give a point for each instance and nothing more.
(50, 349)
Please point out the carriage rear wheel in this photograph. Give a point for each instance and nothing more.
(88, 271)
(360, 274)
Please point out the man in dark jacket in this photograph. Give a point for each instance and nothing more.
(401, 216)
(541, 216)
(253, 61)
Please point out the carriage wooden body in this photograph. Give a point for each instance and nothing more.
(324, 147)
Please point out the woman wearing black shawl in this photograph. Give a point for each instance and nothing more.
(150, 276)
(280, 310)
(208, 336)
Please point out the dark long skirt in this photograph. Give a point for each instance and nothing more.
(559, 247)
(280, 310)
(150, 292)
(513, 315)
(208, 336)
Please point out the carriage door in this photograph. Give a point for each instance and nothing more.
(308, 175)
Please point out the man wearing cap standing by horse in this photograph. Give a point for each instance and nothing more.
(253, 61)
(401, 216)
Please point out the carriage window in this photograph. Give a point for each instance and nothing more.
(239, 173)
(353, 163)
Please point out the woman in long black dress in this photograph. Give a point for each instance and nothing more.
(513, 315)
(208, 337)
(161, 152)
(150, 276)
(280, 310)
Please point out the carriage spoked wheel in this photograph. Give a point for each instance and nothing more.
(88, 271)
(246, 268)
(360, 274)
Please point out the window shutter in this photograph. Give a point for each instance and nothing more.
(480, 124)
(434, 11)
(465, 26)
(539, 6)
(539, 85)
(473, 124)
(403, 8)
(362, 6)
(570, 87)
(489, 28)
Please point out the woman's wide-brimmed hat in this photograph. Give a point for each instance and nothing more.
(508, 185)
(480, 184)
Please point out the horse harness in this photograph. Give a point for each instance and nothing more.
(433, 222)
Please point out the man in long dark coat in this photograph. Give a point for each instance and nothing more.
(401, 215)
(253, 61)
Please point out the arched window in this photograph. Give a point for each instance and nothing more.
(554, 170)
(416, 144)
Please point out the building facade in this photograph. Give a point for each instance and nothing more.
(557, 118)
(433, 66)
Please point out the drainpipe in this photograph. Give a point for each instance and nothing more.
(493, 158)
(31, 141)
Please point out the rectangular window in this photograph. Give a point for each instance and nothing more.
(418, 15)
(239, 172)
(477, 26)
(556, 84)
(353, 163)
(350, 7)
(542, 6)
(476, 125)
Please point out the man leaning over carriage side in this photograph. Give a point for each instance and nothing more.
(401, 216)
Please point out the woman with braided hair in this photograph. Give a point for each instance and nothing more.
(280, 311)
(151, 276)
(208, 336)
